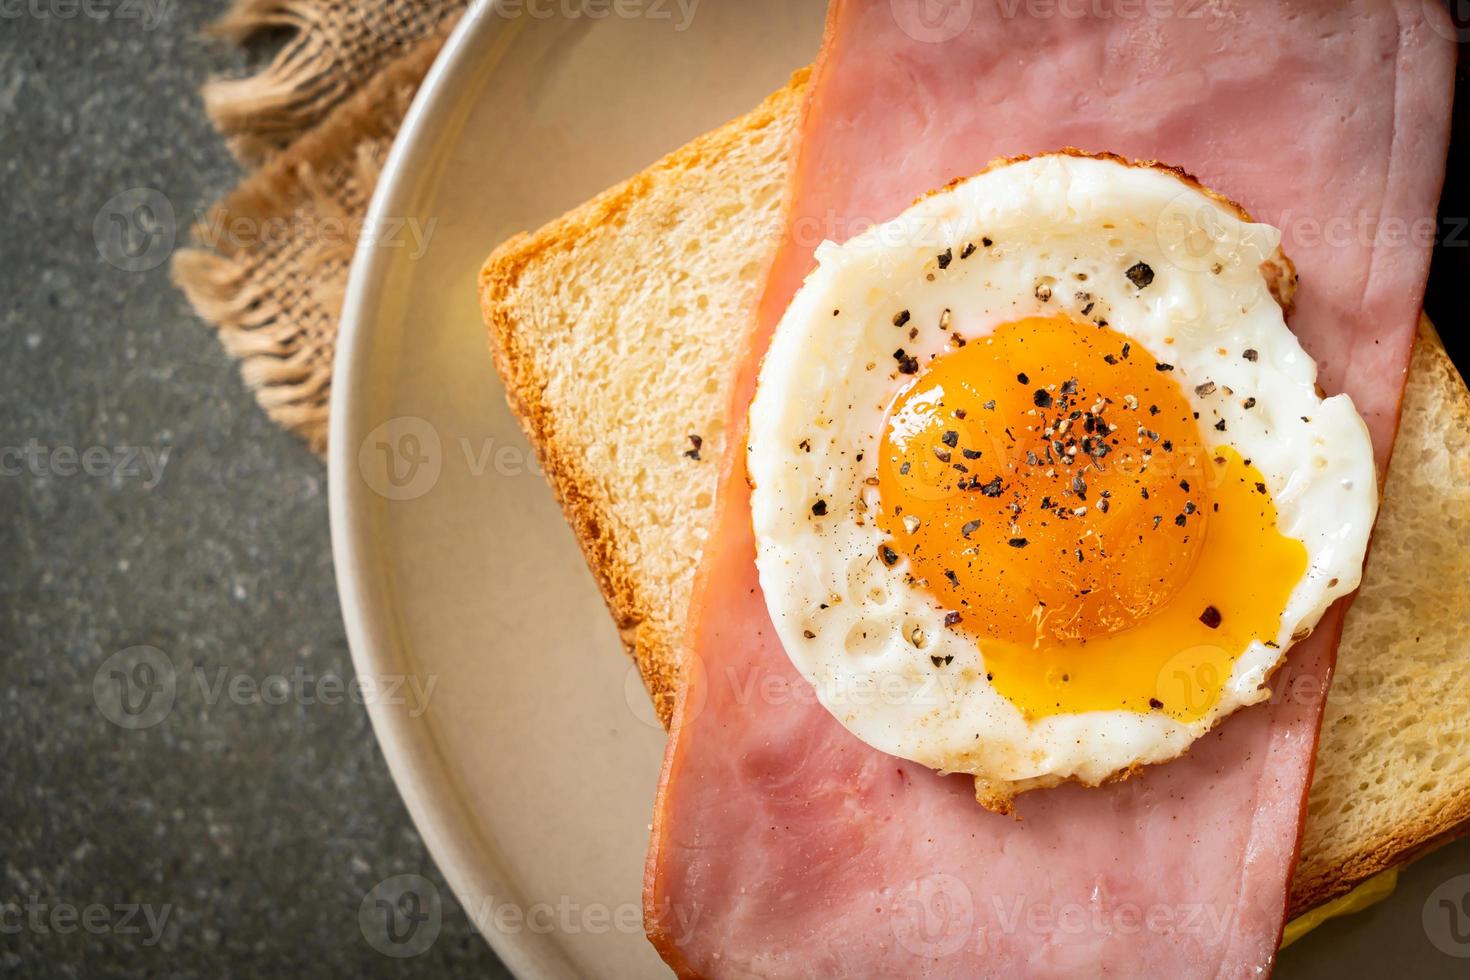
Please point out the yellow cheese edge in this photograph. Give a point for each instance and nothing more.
(1369, 892)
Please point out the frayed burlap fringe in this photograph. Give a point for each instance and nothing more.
(271, 265)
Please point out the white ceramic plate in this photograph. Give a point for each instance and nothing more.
(530, 767)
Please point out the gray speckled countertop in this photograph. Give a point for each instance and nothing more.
(231, 836)
(148, 510)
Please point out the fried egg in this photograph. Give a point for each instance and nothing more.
(1043, 485)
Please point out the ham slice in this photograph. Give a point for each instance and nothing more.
(783, 846)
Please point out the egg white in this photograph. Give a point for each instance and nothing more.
(847, 620)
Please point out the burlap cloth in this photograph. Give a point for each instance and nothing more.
(314, 126)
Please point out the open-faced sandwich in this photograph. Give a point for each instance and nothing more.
(979, 445)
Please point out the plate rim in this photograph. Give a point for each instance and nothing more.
(427, 788)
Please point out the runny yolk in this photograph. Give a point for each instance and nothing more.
(1051, 487)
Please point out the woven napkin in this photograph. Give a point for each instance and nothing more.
(269, 264)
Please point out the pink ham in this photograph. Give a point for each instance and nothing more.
(784, 847)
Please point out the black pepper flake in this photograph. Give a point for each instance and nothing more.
(1140, 274)
(1069, 387)
(1158, 519)
(1110, 359)
(942, 454)
(903, 469)
(1102, 505)
(809, 634)
(1079, 486)
(1144, 491)
(953, 578)
(959, 413)
(950, 438)
(696, 442)
(1041, 398)
(1023, 379)
(906, 363)
(1260, 488)
(1184, 485)
(1249, 354)
(971, 453)
(820, 508)
(889, 556)
(990, 405)
(1220, 426)
(986, 242)
(1018, 542)
(1168, 445)
(943, 661)
(900, 318)
(1180, 520)
(1126, 348)
(944, 258)
(1210, 617)
(1155, 703)
(1208, 388)
(1161, 366)
(969, 528)
(1249, 403)
(991, 489)
(951, 619)
(968, 250)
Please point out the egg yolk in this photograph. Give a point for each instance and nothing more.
(1051, 488)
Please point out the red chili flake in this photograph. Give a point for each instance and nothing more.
(1211, 617)
(820, 508)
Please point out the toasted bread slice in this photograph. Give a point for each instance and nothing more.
(617, 329)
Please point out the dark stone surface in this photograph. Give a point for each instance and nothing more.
(253, 831)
